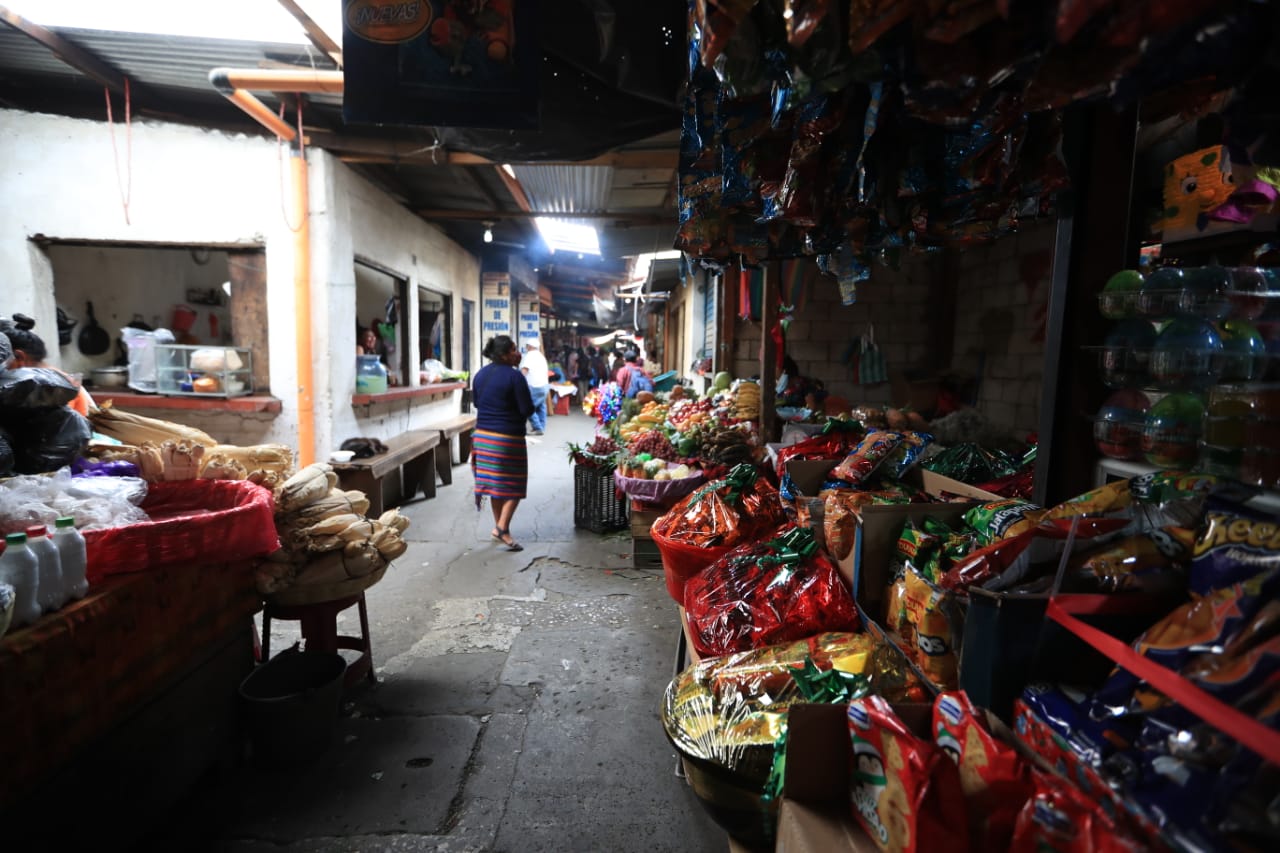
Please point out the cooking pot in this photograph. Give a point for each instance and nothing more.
(109, 377)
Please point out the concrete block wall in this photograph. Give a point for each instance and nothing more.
(894, 303)
(1001, 313)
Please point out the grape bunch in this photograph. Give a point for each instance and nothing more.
(654, 443)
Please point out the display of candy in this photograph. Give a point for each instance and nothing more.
(1186, 355)
(1126, 354)
(1172, 430)
(1119, 297)
(1205, 293)
(1117, 428)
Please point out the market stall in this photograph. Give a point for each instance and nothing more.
(976, 638)
(138, 611)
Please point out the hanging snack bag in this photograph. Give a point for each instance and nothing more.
(1236, 543)
(867, 457)
(905, 791)
(932, 628)
(1002, 519)
(1110, 498)
(995, 781)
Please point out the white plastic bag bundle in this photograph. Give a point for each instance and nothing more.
(94, 502)
(142, 356)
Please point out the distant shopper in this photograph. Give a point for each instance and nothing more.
(29, 350)
(499, 455)
(582, 378)
(632, 377)
(599, 369)
(535, 370)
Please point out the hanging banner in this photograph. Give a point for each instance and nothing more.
(495, 305)
(447, 63)
(527, 319)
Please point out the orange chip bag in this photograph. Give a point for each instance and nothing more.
(933, 620)
(904, 790)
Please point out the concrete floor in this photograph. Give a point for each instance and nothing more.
(516, 707)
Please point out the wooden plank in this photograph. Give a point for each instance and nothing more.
(250, 318)
(72, 54)
(314, 31)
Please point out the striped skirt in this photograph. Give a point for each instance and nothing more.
(500, 464)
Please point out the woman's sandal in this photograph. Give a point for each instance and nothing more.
(504, 536)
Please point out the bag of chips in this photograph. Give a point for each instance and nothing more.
(905, 791)
(932, 628)
(1060, 818)
(1002, 519)
(765, 593)
(996, 782)
(1149, 562)
(841, 511)
(920, 549)
(858, 467)
(907, 455)
(1236, 543)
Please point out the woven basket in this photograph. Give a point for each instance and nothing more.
(596, 504)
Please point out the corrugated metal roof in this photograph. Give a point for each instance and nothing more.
(566, 189)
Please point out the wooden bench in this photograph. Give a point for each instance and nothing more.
(412, 456)
(463, 426)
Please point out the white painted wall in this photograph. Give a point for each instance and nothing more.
(194, 186)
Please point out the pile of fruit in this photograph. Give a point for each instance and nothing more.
(652, 415)
(643, 467)
(686, 415)
(654, 442)
(599, 453)
(729, 444)
(746, 403)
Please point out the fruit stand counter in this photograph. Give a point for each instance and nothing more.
(74, 676)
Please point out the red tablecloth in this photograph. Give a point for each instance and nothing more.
(73, 675)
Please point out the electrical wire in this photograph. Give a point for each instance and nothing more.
(124, 187)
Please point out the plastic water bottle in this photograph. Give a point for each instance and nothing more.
(71, 549)
(50, 594)
(21, 570)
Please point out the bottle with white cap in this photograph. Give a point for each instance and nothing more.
(71, 549)
(21, 570)
(50, 596)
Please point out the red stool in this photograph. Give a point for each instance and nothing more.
(320, 631)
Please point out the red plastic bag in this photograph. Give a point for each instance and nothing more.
(192, 521)
(767, 592)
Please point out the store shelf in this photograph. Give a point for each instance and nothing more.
(129, 400)
(413, 392)
(1119, 469)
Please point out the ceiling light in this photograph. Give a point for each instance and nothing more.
(506, 167)
(488, 232)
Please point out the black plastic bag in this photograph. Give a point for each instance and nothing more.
(45, 440)
(35, 388)
(6, 454)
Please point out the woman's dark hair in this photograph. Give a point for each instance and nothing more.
(497, 347)
(22, 338)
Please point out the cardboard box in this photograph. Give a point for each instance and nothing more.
(808, 477)
(867, 568)
(942, 487)
(814, 815)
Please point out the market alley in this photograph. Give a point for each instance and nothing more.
(516, 707)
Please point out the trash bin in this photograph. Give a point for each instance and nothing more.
(291, 704)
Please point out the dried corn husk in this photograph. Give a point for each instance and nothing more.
(136, 429)
(305, 487)
(260, 459)
(182, 459)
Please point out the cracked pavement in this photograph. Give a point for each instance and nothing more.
(516, 707)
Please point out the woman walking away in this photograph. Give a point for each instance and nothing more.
(499, 455)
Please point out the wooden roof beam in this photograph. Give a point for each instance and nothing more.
(420, 153)
(628, 218)
(70, 53)
(314, 32)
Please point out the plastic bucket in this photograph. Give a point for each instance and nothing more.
(664, 381)
(291, 704)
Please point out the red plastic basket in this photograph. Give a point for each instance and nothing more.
(192, 521)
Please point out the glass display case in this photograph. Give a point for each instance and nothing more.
(204, 371)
